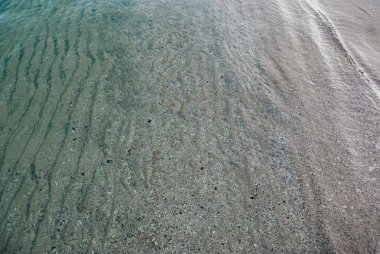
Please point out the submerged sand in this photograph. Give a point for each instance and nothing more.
(190, 126)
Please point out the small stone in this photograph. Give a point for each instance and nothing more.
(174, 82)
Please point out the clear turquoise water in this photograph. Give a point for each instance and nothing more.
(189, 126)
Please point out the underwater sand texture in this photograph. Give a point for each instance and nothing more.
(235, 126)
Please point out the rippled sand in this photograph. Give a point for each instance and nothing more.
(241, 126)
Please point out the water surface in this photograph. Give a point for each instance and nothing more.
(189, 126)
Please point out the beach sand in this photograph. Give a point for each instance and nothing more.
(190, 126)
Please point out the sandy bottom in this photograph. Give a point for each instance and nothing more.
(173, 126)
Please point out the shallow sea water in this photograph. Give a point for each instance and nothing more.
(198, 126)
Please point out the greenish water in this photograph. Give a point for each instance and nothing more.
(188, 127)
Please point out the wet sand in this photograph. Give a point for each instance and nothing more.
(190, 126)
